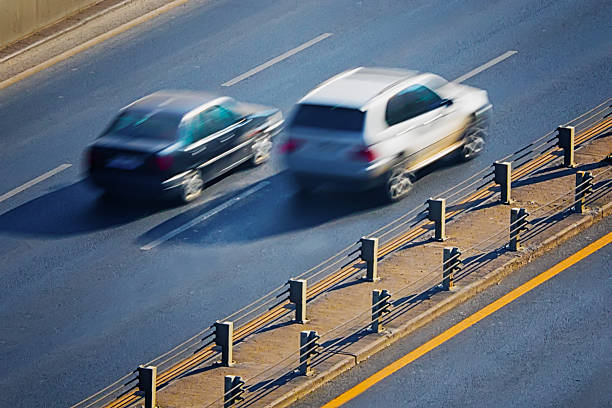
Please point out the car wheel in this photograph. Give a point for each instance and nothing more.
(398, 184)
(192, 187)
(474, 143)
(261, 151)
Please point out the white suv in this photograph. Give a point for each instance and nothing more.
(373, 127)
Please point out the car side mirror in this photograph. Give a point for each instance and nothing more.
(446, 102)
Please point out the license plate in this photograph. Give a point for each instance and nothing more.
(124, 162)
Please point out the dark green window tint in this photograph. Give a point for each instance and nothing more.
(412, 101)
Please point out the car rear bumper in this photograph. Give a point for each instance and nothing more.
(334, 175)
(337, 182)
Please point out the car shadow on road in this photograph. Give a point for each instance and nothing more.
(276, 209)
(280, 208)
(72, 210)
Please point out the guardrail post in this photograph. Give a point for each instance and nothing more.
(437, 213)
(584, 186)
(503, 177)
(308, 348)
(233, 390)
(297, 296)
(147, 384)
(566, 142)
(518, 222)
(224, 337)
(450, 265)
(380, 306)
(369, 254)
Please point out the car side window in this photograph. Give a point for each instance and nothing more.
(411, 102)
(215, 119)
(208, 122)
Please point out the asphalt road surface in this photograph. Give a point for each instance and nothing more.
(548, 348)
(81, 303)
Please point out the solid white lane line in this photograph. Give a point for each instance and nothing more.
(487, 65)
(277, 59)
(32, 182)
(205, 216)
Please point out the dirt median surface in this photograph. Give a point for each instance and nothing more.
(267, 359)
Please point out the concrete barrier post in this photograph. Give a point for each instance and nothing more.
(308, 348)
(224, 338)
(297, 296)
(566, 142)
(450, 265)
(380, 306)
(233, 390)
(518, 223)
(437, 213)
(147, 384)
(584, 186)
(369, 254)
(503, 177)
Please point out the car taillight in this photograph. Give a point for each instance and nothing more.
(162, 163)
(291, 145)
(363, 154)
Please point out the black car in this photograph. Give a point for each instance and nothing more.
(170, 143)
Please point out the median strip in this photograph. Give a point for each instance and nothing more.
(468, 322)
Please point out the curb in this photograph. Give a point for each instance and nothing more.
(467, 292)
(90, 43)
(64, 31)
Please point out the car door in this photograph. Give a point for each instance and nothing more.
(439, 120)
(408, 126)
(413, 116)
(234, 147)
(202, 146)
(223, 139)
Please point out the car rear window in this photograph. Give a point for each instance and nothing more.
(146, 125)
(328, 117)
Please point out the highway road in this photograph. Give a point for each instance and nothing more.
(81, 303)
(548, 348)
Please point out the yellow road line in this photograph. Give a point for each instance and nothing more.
(473, 319)
(88, 44)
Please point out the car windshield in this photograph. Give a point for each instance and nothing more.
(328, 117)
(146, 125)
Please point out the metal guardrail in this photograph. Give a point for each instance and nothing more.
(600, 183)
(469, 195)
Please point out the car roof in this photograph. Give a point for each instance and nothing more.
(356, 87)
(178, 102)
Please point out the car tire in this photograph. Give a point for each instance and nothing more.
(262, 148)
(192, 187)
(398, 184)
(474, 143)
